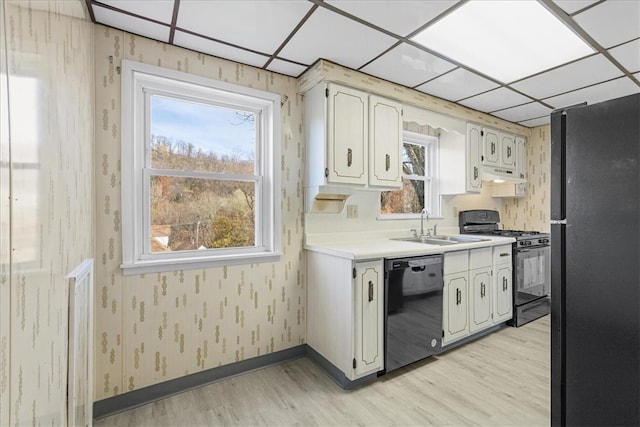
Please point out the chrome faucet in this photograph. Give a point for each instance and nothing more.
(423, 213)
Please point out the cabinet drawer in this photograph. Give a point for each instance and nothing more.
(479, 258)
(455, 262)
(502, 254)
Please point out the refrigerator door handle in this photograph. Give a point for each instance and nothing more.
(558, 221)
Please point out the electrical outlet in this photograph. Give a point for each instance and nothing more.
(352, 211)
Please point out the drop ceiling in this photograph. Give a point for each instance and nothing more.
(375, 37)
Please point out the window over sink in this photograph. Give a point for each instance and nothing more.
(419, 179)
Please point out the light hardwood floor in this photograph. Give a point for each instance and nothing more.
(500, 379)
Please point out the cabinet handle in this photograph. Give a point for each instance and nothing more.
(387, 160)
(349, 157)
(475, 172)
(458, 297)
(370, 291)
(493, 148)
(482, 290)
(508, 151)
(505, 254)
(504, 284)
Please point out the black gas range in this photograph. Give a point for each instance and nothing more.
(531, 263)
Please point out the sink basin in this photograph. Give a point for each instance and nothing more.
(442, 240)
(428, 240)
(461, 239)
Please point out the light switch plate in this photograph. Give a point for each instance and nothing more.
(352, 211)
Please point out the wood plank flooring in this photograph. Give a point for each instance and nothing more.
(501, 379)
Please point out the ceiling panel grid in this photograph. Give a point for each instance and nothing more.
(379, 38)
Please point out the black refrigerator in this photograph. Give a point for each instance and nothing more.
(595, 264)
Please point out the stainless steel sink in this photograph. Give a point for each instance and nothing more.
(461, 239)
(428, 240)
(442, 240)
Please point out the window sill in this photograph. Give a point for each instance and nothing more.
(165, 265)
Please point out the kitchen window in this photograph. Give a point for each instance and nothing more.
(419, 170)
(200, 178)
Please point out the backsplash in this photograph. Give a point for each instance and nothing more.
(46, 204)
(156, 327)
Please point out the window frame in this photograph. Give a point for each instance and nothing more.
(431, 144)
(139, 83)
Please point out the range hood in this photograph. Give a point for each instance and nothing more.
(500, 175)
(326, 198)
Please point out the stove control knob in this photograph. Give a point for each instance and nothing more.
(529, 242)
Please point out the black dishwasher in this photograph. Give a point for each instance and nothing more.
(413, 307)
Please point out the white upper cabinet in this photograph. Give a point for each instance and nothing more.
(498, 150)
(473, 159)
(385, 142)
(353, 138)
(490, 150)
(460, 161)
(347, 130)
(508, 151)
(521, 157)
(518, 189)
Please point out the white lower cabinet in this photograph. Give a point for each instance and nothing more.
(478, 291)
(502, 283)
(345, 306)
(455, 310)
(480, 306)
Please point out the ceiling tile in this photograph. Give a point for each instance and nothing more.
(536, 122)
(285, 67)
(400, 17)
(131, 24)
(572, 6)
(612, 22)
(585, 72)
(408, 66)
(523, 112)
(201, 44)
(496, 99)
(598, 93)
(628, 55)
(336, 38)
(457, 84)
(256, 25)
(159, 10)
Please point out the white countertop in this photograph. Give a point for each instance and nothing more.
(361, 246)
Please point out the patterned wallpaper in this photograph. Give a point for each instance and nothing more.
(533, 212)
(156, 327)
(46, 208)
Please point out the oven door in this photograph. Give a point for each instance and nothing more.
(532, 274)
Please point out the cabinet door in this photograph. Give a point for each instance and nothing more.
(503, 289)
(368, 322)
(490, 153)
(480, 299)
(521, 158)
(473, 158)
(508, 151)
(385, 142)
(455, 307)
(347, 129)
